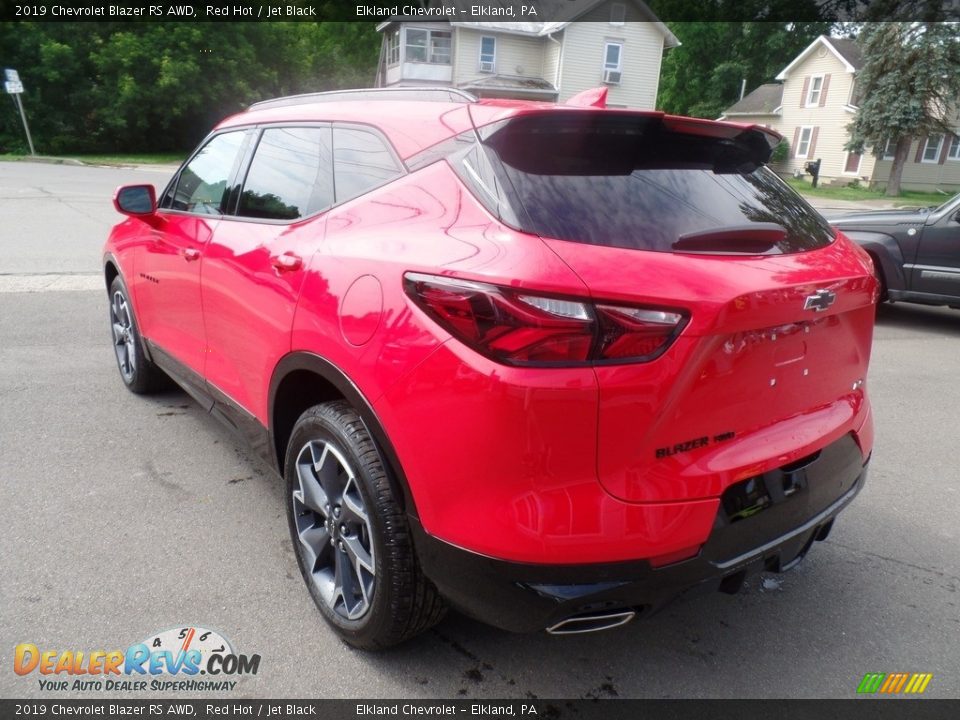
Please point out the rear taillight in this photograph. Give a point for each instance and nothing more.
(519, 328)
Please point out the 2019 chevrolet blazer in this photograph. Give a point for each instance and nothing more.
(550, 365)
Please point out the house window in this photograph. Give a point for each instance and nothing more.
(488, 54)
(931, 150)
(852, 166)
(954, 152)
(440, 43)
(803, 144)
(393, 48)
(813, 92)
(618, 12)
(429, 46)
(613, 63)
(890, 149)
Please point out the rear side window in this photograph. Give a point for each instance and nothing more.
(202, 185)
(290, 176)
(626, 181)
(361, 162)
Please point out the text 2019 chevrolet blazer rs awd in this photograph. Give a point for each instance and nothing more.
(549, 365)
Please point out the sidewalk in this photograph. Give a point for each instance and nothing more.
(839, 207)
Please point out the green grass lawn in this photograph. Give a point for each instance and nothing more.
(133, 159)
(910, 198)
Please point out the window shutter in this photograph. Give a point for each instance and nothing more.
(823, 89)
(813, 143)
(947, 141)
(806, 87)
(796, 139)
(920, 143)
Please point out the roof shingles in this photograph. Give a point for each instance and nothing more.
(762, 101)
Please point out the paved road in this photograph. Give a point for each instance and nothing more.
(55, 217)
(122, 516)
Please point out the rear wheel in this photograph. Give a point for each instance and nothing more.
(137, 372)
(350, 534)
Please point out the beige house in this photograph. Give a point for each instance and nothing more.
(617, 44)
(812, 105)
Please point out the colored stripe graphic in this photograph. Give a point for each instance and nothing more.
(895, 683)
(871, 682)
(889, 682)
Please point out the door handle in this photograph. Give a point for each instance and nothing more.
(191, 254)
(286, 262)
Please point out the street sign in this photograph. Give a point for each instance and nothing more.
(14, 87)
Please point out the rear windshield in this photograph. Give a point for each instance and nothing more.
(626, 181)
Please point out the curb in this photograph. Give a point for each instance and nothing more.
(49, 160)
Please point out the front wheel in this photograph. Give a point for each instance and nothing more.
(137, 372)
(350, 533)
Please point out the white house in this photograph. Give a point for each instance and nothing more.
(812, 105)
(619, 44)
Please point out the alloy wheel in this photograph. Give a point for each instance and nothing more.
(333, 526)
(123, 336)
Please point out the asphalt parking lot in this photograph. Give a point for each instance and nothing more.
(121, 516)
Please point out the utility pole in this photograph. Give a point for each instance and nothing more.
(14, 87)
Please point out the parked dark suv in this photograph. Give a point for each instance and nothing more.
(916, 252)
(548, 364)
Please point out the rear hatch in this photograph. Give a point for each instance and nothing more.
(681, 215)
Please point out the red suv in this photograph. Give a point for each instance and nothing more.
(550, 365)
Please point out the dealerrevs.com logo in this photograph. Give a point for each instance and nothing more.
(170, 661)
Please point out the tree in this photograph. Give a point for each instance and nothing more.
(704, 75)
(908, 87)
(719, 50)
(142, 87)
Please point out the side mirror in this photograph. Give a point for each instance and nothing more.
(135, 200)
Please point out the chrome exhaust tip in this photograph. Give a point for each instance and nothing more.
(592, 622)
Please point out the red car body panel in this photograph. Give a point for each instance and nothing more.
(539, 465)
(792, 388)
(167, 288)
(249, 305)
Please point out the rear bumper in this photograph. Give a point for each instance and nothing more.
(803, 503)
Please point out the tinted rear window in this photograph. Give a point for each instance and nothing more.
(627, 182)
(361, 162)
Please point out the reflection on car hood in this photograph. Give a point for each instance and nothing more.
(881, 217)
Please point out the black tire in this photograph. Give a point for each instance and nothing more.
(353, 512)
(139, 374)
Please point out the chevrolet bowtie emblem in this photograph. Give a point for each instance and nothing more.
(819, 301)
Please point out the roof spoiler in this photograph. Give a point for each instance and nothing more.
(756, 140)
(722, 129)
(594, 97)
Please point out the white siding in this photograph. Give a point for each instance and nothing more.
(582, 66)
(516, 55)
(943, 175)
(552, 54)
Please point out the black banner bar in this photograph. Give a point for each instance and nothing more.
(854, 709)
(467, 10)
